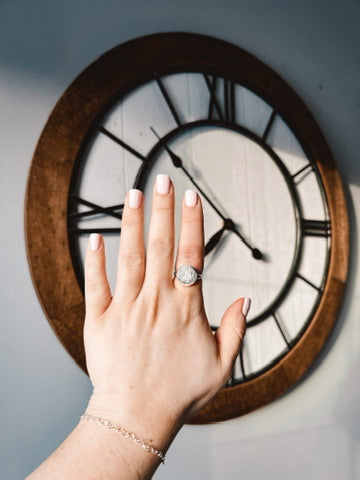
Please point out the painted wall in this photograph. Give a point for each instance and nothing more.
(311, 432)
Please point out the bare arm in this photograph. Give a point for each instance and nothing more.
(151, 355)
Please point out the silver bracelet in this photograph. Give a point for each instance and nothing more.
(124, 433)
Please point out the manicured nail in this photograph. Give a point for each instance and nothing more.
(94, 241)
(191, 198)
(163, 184)
(134, 198)
(246, 306)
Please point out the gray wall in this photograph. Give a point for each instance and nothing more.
(311, 432)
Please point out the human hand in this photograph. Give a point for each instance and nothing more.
(151, 355)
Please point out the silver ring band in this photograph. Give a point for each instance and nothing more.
(187, 275)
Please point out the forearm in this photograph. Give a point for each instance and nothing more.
(93, 452)
(90, 452)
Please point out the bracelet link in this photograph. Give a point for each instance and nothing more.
(124, 433)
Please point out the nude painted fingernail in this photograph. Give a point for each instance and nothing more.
(191, 198)
(246, 306)
(163, 184)
(94, 241)
(134, 198)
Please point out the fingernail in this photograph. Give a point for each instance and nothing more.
(246, 306)
(134, 198)
(190, 198)
(94, 241)
(163, 184)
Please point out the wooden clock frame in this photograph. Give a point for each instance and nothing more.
(62, 141)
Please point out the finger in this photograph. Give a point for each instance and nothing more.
(191, 241)
(160, 249)
(131, 260)
(97, 289)
(230, 334)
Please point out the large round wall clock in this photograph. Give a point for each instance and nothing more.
(216, 119)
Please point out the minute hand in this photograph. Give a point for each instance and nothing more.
(178, 163)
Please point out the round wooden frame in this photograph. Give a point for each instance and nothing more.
(88, 97)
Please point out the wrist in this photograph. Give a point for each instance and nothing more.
(122, 432)
(157, 426)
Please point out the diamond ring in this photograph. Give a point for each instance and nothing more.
(187, 275)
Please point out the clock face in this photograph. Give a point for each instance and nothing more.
(251, 172)
(217, 120)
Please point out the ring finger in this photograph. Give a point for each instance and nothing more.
(191, 241)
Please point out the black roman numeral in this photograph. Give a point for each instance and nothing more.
(304, 170)
(87, 231)
(233, 380)
(115, 211)
(315, 228)
(241, 361)
(122, 143)
(222, 104)
(269, 125)
(308, 282)
(282, 329)
(168, 101)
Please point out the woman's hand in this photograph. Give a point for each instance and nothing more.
(151, 355)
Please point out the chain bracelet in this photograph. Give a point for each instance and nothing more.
(124, 433)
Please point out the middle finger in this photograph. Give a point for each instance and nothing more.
(160, 250)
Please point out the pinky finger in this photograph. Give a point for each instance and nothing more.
(97, 289)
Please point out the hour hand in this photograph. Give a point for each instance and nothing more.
(256, 253)
(229, 225)
(214, 240)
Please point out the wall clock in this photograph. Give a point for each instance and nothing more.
(217, 119)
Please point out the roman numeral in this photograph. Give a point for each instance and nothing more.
(234, 380)
(241, 361)
(282, 329)
(87, 231)
(222, 104)
(115, 211)
(269, 125)
(168, 101)
(305, 170)
(122, 143)
(315, 228)
(308, 282)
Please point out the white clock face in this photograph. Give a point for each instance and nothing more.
(249, 167)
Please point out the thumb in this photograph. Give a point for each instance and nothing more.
(97, 289)
(230, 334)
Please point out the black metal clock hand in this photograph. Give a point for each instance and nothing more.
(256, 253)
(228, 223)
(214, 240)
(178, 163)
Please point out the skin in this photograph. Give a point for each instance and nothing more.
(151, 355)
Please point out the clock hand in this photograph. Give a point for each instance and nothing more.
(256, 253)
(214, 240)
(228, 223)
(178, 163)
